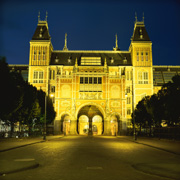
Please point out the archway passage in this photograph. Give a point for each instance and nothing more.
(66, 124)
(90, 121)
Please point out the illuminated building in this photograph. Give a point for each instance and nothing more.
(93, 89)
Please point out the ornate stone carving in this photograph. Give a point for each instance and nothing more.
(90, 95)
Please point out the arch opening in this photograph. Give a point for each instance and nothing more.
(90, 121)
(66, 119)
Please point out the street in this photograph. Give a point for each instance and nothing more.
(91, 158)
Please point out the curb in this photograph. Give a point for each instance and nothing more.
(4, 150)
(33, 166)
(162, 149)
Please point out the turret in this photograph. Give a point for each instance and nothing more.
(40, 45)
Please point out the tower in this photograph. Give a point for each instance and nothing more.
(141, 55)
(39, 56)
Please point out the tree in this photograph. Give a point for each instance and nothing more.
(170, 100)
(151, 110)
(10, 93)
(143, 117)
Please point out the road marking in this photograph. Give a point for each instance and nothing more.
(42, 148)
(94, 167)
(22, 160)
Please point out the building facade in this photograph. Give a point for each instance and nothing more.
(93, 91)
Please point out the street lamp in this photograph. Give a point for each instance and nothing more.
(44, 137)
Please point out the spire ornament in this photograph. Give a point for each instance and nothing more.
(39, 16)
(76, 64)
(116, 43)
(46, 16)
(65, 43)
(135, 17)
(143, 18)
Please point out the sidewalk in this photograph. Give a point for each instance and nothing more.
(13, 143)
(11, 166)
(171, 146)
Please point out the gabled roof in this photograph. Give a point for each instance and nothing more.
(140, 33)
(119, 58)
(42, 32)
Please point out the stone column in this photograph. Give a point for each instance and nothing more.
(73, 127)
(57, 127)
(90, 133)
(107, 127)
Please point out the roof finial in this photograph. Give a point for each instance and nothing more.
(136, 16)
(39, 16)
(65, 43)
(46, 16)
(76, 63)
(143, 18)
(116, 42)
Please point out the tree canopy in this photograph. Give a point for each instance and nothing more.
(20, 101)
(164, 105)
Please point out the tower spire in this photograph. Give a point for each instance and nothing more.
(135, 17)
(116, 43)
(143, 18)
(39, 16)
(65, 43)
(46, 16)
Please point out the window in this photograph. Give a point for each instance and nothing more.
(38, 77)
(90, 84)
(142, 57)
(128, 90)
(91, 61)
(39, 56)
(142, 77)
(127, 75)
(44, 55)
(52, 88)
(137, 56)
(128, 111)
(34, 55)
(128, 100)
(146, 56)
(51, 74)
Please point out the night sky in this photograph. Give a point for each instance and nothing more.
(90, 25)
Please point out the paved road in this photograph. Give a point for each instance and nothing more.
(92, 158)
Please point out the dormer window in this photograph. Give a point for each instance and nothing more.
(141, 35)
(56, 60)
(112, 61)
(125, 60)
(69, 60)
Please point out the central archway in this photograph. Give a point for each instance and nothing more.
(90, 121)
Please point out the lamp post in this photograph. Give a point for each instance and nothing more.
(44, 137)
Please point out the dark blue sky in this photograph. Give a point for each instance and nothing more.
(90, 25)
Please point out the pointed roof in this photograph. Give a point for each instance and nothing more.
(140, 33)
(42, 31)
